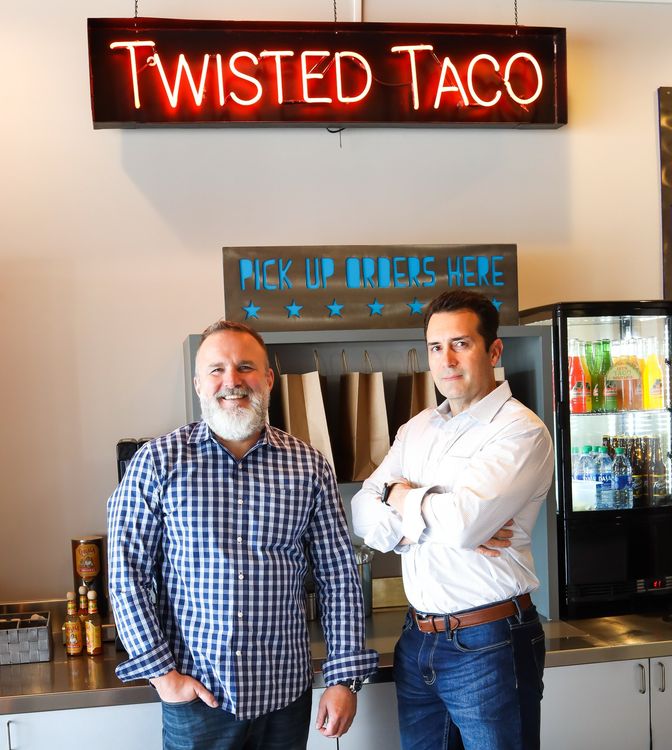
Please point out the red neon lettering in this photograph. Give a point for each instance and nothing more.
(130, 46)
(220, 80)
(232, 65)
(339, 82)
(470, 81)
(182, 65)
(540, 78)
(305, 75)
(277, 54)
(447, 63)
(411, 49)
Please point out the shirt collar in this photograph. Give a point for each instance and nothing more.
(484, 410)
(202, 433)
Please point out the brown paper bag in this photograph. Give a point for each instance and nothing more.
(415, 392)
(364, 435)
(303, 409)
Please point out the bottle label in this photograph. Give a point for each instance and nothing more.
(658, 485)
(73, 637)
(610, 400)
(87, 560)
(621, 482)
(638, 486)
(93, 637)
(656, 388)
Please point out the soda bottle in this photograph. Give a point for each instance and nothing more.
(604, 470)
(622, 479)
(656, 474)
(609, 401)
(586, 356)
(624, 373)
(653, 378)
(640, 350)
(577, 400)
(598, 376)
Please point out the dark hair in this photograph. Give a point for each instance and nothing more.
(231, 325)
(488, 317)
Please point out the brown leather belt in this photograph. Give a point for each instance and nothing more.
(499, 611)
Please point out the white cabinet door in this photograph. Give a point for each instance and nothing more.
(602, 705)
(661, 702)
(376, 724)
(136, 727)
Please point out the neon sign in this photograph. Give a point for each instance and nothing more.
(161, 72)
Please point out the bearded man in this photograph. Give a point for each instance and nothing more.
(211, 532)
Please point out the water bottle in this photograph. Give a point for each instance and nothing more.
(622, 473)
(605, 479)
(585, 469)
(575, 461)
(584, 487)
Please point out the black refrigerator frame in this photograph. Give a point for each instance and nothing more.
(609, 561)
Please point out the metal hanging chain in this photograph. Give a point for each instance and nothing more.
(136, 8)
(335, 13)
(515, 11)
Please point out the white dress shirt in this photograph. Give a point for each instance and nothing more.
(472, 473)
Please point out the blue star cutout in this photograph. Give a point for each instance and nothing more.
(293, 310)
(497, 303)
(335, 309)
(416, 307)
(251, 310)
(376, 307)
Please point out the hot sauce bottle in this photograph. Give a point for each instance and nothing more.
(74, 641)
(94, 636)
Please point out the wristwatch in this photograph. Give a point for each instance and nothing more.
(354, 685)
(387, 488)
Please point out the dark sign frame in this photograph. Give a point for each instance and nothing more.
(665, 125)
(151, 72)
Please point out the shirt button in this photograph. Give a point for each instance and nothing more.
(239, 539)
(240, 614)
(240, 501)
(239, 653)
(240, 576)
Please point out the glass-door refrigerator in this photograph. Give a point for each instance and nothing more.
(613, 418)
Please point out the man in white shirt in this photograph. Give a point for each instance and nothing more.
(469, 662)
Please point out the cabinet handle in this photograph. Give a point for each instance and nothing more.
(642, 674)
(661, 689)
(9, 735)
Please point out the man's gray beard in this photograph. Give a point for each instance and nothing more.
(239, 423)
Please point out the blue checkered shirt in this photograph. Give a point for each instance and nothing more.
(207, 560)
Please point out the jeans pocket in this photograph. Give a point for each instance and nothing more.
(529, 650)
(482, 638)
(179, 704)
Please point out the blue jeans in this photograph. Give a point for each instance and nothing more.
(195, 726)
(476, 688)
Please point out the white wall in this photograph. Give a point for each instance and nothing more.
(110, 241)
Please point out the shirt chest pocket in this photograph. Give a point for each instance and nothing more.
(448, 472)
(279, 515)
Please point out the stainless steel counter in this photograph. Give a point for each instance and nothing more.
(85, 682)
